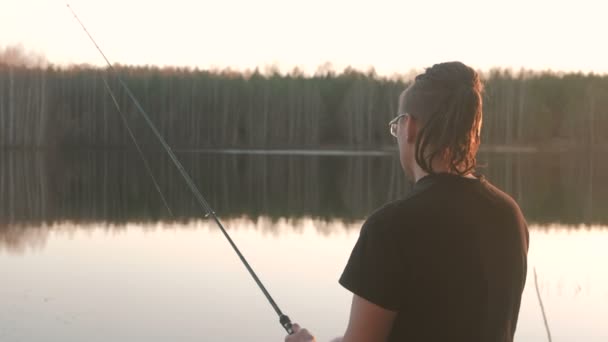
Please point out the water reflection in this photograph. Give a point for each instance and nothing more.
(106, 283)
(20, 239)
(116, 255)
(113, 186)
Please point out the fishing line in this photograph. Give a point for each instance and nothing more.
(141, 154)
(542, 307)
(283, 319)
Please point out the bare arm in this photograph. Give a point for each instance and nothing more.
(368, 322)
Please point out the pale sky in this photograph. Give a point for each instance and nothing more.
(391, 36)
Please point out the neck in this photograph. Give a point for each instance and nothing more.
(418, 173)
(439, 166)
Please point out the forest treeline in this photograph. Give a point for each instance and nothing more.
(48, 106)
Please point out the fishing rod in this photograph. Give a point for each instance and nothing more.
(141, 154)
(283, 319)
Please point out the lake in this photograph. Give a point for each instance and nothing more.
(90, 252)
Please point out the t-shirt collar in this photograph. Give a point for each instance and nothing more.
(432, 178)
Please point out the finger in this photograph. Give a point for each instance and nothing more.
(295, 328)
(306, 335)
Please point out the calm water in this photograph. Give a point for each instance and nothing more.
(88, 252)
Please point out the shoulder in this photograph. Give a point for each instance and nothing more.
(502, 199)
(509, 211)
(390, 217)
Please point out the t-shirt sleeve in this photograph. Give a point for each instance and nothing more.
(374, 269)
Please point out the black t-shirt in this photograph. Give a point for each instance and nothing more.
(450, 258)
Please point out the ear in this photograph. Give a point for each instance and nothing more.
(411, 130)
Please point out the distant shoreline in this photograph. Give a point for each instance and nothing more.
(324, 151)
(389, 151)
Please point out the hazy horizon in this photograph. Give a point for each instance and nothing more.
(38, 58)
(390, 37)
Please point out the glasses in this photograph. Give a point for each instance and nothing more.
(394, 124)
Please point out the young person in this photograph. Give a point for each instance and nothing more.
(448, 262)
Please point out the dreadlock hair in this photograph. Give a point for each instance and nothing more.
(446, 98)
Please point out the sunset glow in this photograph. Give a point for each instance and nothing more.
(391, 36)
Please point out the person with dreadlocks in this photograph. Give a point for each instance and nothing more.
(448, 262)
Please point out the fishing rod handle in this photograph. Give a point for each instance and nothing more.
(286, 323)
